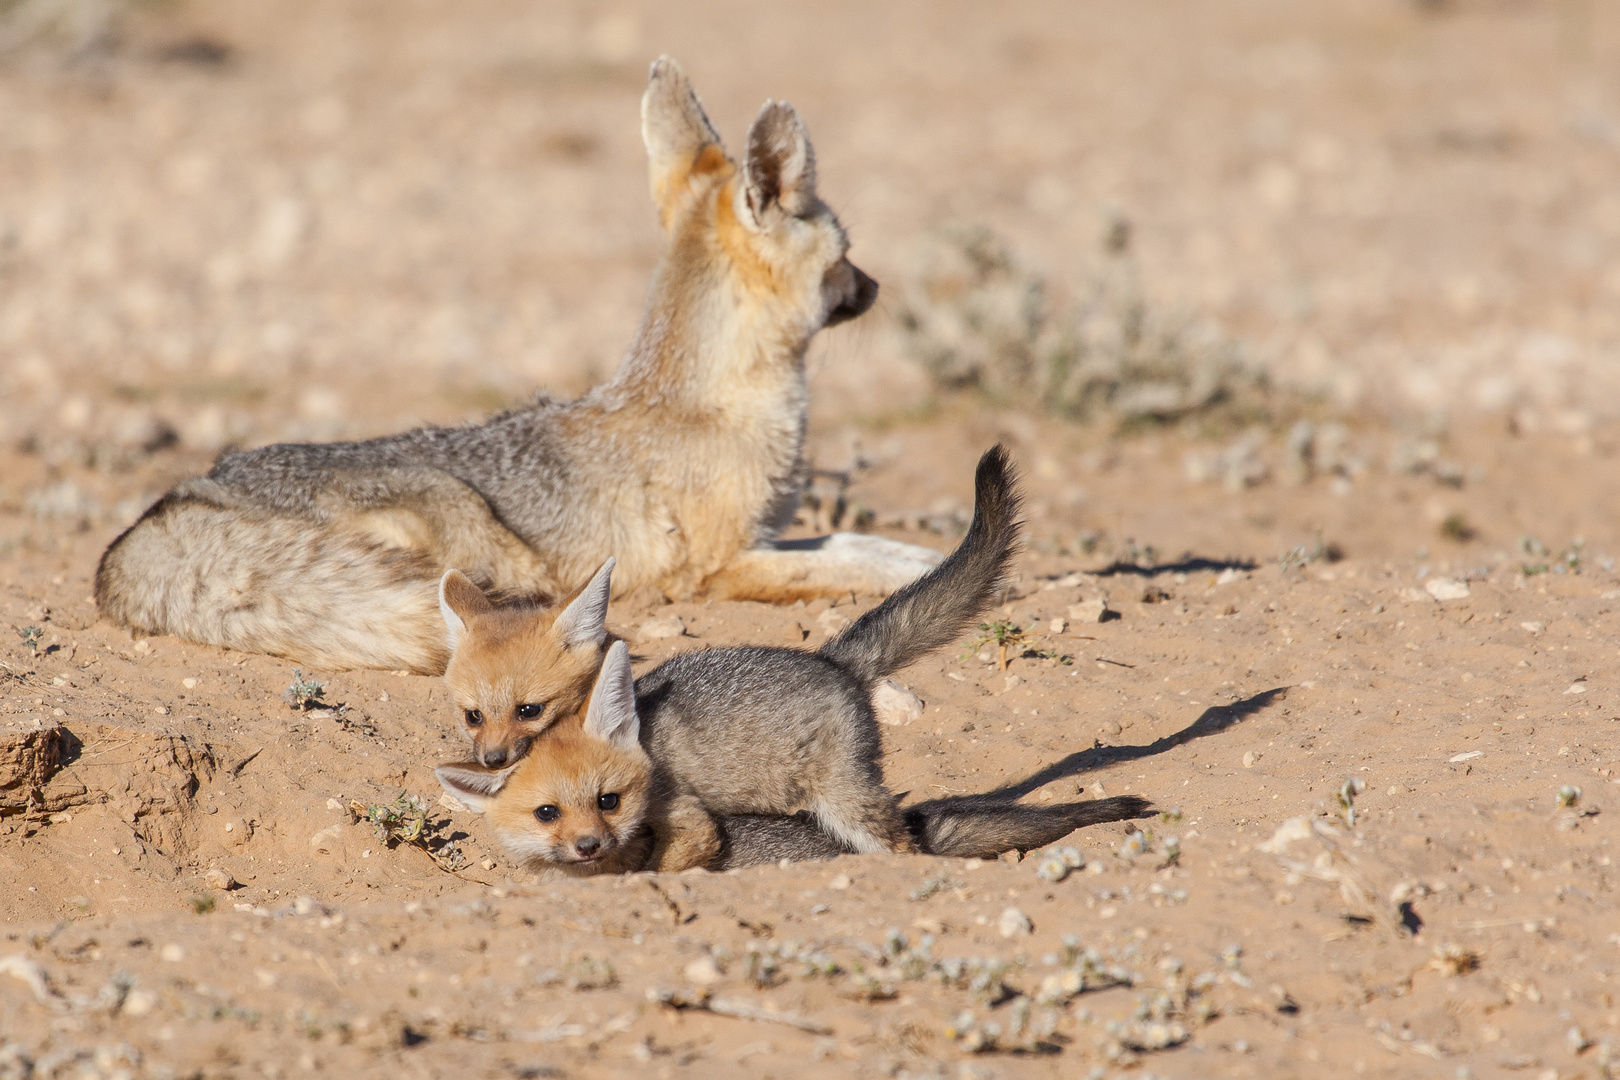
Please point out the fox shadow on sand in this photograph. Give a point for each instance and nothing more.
(1212, 721)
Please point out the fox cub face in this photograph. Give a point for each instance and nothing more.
(513, 672)
(580, 798)
(782, 245)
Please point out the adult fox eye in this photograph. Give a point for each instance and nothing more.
(530, 712)
(474, 718)
(609, 801)
(547, 813)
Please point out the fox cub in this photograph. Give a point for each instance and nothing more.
(592, 800)
(686, 464)
(767, 732)
(517, 669)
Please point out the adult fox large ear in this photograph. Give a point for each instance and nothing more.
(680, 140)
(584, 620)
(611, 715)
(460, 600)
(780, 173)
(471, 784)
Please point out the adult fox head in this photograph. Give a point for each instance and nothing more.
(760, 226)
(582, 793)
(514, 671)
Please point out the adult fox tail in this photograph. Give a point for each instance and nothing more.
(934, 610)
(278, 585)
(978, 826)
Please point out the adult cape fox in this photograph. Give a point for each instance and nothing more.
(685, 465)
(710, 738)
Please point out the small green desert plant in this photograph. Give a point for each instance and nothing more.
(1457, 527)
(304, 692)
(399, 822)
(405, 821)
(30, 637)
(1005, 634)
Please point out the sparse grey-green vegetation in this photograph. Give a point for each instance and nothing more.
(978, 318)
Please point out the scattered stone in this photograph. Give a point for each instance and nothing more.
(1416, 596)
(219, 879)
(895, 705)
(1576, 688)
(842, 881)
(703, 971)
(172, 953)
(1533, 627)
(1289, 832)
(189, 684)
(1014, 923)
(1446, 589)
(139, 1003)
(1011, 681)
(831, 622)
(325, 841)
(1058, 625)
(1249, 758)
(1468, 755)
(1089, 611)
(1229, 575)
(664, 626)
(143, 432)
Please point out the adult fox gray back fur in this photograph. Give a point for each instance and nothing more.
(684, 466)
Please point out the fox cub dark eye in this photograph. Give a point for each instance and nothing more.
(474, 718)
(609, 801)
(547, 813)
(530, 712)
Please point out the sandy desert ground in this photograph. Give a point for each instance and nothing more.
(1360, 643)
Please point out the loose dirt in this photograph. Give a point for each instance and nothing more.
(1365, 683)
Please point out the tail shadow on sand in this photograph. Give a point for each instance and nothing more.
(1212, 721)
(1187, 564)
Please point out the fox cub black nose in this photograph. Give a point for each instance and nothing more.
(494, 759)
(587, 845)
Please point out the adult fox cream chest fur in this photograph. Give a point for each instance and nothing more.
(685, 465)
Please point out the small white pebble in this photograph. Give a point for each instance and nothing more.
(172, 953)
(189, 684)
(842, 881)
(703, 971)
(1014, 923)
(366, 854)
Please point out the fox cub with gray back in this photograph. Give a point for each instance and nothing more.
(685, 465)
(708, 758)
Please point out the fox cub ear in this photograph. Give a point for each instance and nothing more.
(460, 600)
(472, 784)
(611, 715)
(781, 167)
(584, 620)
(677, 132)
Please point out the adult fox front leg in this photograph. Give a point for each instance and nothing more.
(683, 465)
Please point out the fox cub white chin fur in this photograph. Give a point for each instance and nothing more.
(685, 465)
(723, 757)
